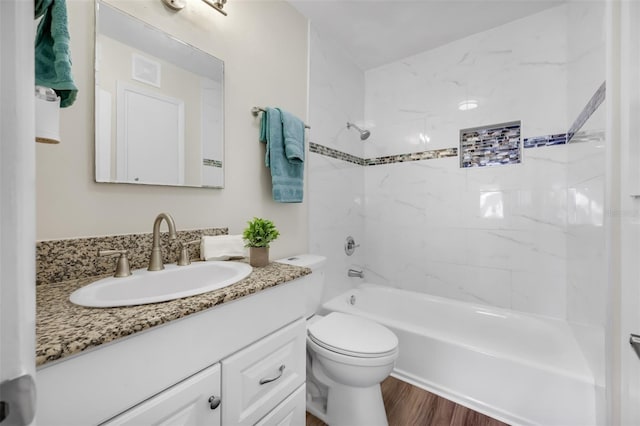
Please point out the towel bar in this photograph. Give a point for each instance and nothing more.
(256, 110)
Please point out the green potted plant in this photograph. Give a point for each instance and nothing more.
(257, 237)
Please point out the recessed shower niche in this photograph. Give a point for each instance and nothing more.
(493, 145)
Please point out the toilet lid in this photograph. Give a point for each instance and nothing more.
(352, 335)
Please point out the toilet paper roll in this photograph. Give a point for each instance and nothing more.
(47, 117)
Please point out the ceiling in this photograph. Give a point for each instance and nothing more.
(376, 32)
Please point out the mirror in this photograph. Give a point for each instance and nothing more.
(159, 106)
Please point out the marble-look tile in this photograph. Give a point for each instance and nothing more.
(586, 53)
(586, 276)
(468, 283)
(494, 235)
(542, 292)
(336, 93)
(586, 203)
(420, 94)
(336, 211)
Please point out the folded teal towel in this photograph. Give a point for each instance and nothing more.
(293, 132)
(53, 58)
(286, 177)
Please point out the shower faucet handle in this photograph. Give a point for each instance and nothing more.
(350, 246)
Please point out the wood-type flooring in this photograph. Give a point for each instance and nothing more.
(408, 405)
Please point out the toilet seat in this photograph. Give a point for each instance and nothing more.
(353, 336)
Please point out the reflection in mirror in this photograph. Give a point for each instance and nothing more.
(159, 106)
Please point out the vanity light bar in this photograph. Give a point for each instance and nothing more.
(180, 4)
(257, 110)
(217, 5)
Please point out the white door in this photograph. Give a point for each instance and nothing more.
(150, 137)
(17, 213)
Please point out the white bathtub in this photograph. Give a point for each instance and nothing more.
(518, 368)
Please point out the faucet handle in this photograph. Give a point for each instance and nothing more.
(122, 266)
(183, 258)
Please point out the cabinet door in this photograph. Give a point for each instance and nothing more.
(291, 412)
(256, 379)
(184, 404)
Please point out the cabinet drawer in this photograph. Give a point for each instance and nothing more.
(184, 404)
(259, 377)
(291, 412)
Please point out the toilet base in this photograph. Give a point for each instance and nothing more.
(351, 406)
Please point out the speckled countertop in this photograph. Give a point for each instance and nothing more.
(64, 329)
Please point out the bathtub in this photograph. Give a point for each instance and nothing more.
(518, 368)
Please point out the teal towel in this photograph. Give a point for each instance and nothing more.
(286, 177)
(293, 131)
(53, 58)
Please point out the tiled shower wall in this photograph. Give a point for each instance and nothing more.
(336, 202)
(498, 235)
(586, 267)
(494, 235)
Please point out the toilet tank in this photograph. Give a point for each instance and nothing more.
(314, 283)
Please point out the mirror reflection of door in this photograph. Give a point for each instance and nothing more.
(150, 142)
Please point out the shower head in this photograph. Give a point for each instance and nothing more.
(364, 134)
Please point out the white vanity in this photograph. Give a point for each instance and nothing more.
(241, 362)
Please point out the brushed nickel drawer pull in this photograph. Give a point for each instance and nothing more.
(272, 379)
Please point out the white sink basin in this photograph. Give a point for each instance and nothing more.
(171, 283)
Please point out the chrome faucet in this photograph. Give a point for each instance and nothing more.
(155, 260)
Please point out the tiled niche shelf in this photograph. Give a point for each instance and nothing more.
(492, 145)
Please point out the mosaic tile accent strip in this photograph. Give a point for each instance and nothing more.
(211, 163)
(597, 136)
(493, 145)
(334, 153)
(548, 140)
(591, 107)
(63, 260)
(414, 156)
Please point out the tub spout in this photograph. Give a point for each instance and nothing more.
(355, 273)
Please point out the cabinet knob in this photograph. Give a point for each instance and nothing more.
(214, 402)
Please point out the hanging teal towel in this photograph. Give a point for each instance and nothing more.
(293, 132)
(286, 177)
(53, 58)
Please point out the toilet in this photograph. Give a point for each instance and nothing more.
(347, 358)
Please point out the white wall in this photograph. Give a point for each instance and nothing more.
(264, 47)
(494, 235)
(336, 201)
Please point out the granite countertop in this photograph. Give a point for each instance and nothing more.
(64, 329)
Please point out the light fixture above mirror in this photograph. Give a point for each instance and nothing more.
(180, 4)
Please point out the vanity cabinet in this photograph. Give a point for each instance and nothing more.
(257, 378)
(166, 374)
(263, 384)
